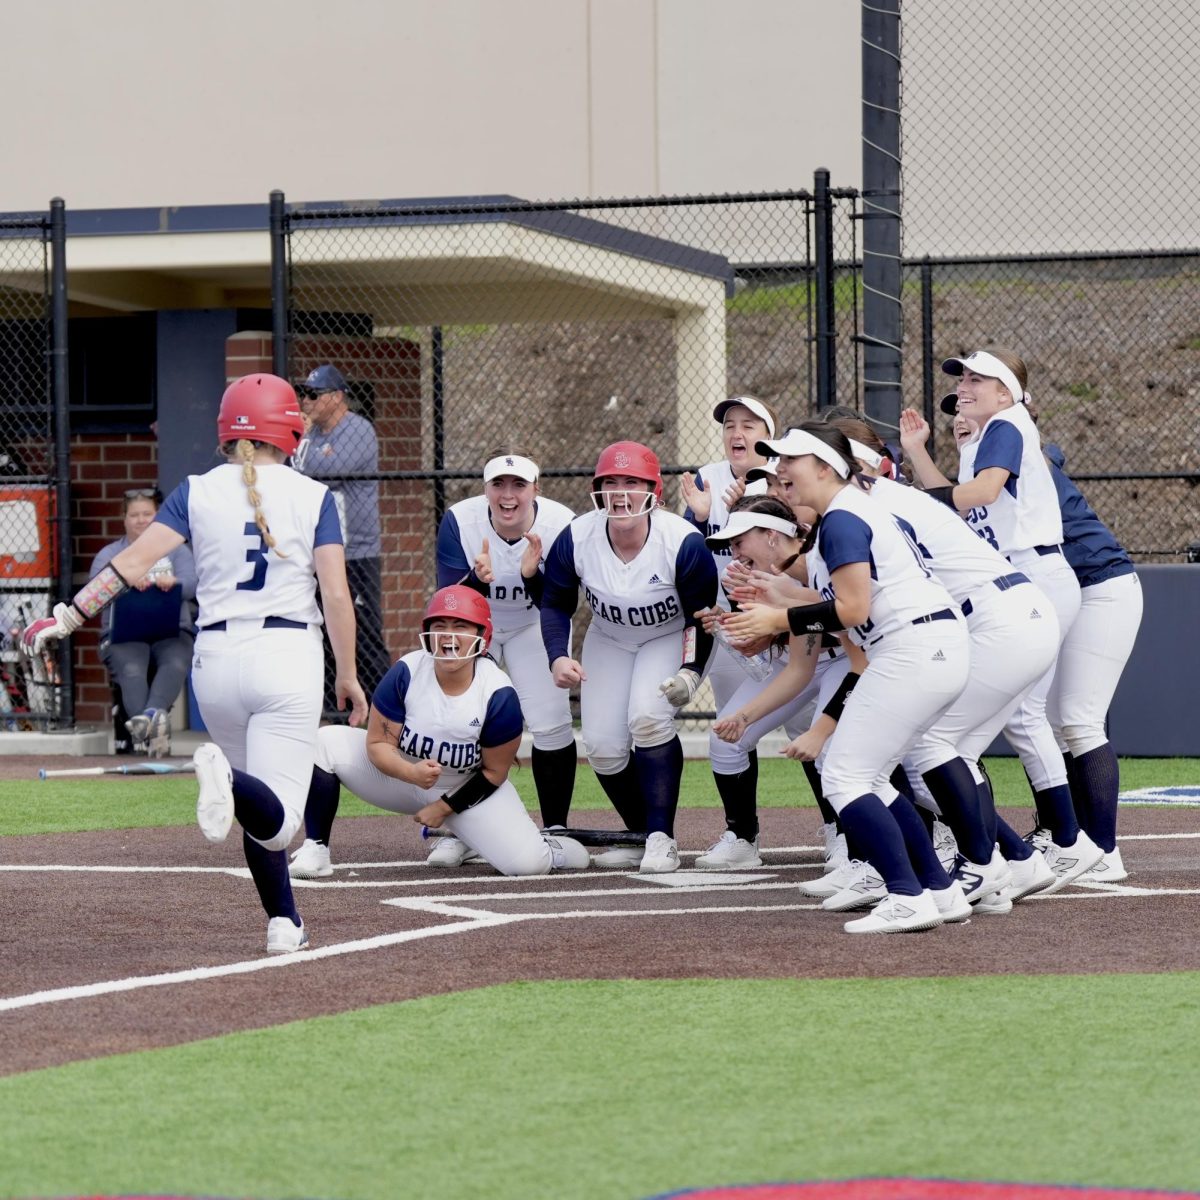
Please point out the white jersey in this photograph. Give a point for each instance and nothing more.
(452, 731)
(718, 478)
(237, 574)
(962, 562)
(632, 602)
(857, 528)
(512, 606)
(1026, 513)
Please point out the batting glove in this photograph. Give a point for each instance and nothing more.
(680, 688)
(66, 619)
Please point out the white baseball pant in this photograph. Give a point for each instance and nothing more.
(545, 706)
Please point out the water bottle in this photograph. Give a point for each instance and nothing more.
(758, 666)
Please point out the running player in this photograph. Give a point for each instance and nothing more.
(645, 573)
(496, 543)
(443, 735)
(1008, 497)
(875, 585)
(259, 531)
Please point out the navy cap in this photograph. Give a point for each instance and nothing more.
(326, 378)
(950, 404)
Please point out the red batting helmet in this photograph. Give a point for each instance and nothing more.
(464, 603)
(261, 408)
(629, 458)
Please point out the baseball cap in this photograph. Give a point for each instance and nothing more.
(326, 378)
(757, 407)
(743, 521)
(982, 363)
(510, 464)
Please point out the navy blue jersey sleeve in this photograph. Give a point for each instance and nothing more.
(560, 595)
(329, 528)
(690, 516)
(535, 588)
(1000, 446)
(503, 721)
(696, 581)
(452, 565)
(389, 697)
(174, 511)
(843, 538)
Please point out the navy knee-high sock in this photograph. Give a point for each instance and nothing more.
(321, 807)
(953, 786)
(739, 798)
(624, 792)
(269, 870)
(1099, 779)
(1057, 813)
(1012, 845)
(554, 778)
(256, 806)
(660, 771)
(873, 828)
(814, 781)
(987, 802)
(925, 862)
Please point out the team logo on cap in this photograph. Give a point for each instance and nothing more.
(450, 602)
(508, 462)
(621, 459)
(242, 420)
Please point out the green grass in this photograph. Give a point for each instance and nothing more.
(626, 1089)
(76, 805)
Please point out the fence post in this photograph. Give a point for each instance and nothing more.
(882, 264)
(60, 396)
(437, 371)
(279, 296)
(823, 282)
(927, 339)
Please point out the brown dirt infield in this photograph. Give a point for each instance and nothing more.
(164, 902)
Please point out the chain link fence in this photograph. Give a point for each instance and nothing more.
(558, 329)
(1050, 206)
(30, 697)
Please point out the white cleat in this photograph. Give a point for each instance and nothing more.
(730, 853)
(214, 804)
(1110, 869)
(451, 852)
(311, 861)
(619, 858)
(951, 903)
(285, 937)
(662, 855)
(1069, 862)
(566, 854)
(899, 914)
(1029, 875)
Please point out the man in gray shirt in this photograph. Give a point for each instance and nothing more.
(341, 443)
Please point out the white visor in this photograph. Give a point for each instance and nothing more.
(866, 454)
(757, 407)
(742, 522)
(796, 442)
(983, 363)
(511, 464)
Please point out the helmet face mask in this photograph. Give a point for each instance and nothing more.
(457, 603)
(624, 461)
(261, 408)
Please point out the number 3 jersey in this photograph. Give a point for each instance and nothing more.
(238, 575)
(451, 731)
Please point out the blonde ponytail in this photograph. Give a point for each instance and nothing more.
(245, 452)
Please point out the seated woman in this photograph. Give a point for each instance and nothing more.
(146, 635)
(443, 734)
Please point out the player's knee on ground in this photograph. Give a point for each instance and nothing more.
(531, 857)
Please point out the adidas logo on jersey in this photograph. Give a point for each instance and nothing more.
(1034, 615)
(473, 723)
(654, 579)
(938, 657)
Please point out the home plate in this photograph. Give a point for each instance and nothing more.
(692, 878)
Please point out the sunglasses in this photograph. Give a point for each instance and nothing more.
(313, 393)
(143, 494)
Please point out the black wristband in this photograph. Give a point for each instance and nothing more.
(477, 787)
(814, 618)
(837, 702)
(944, 494)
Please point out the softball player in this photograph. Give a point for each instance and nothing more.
(443, 734)
(259, 531)
(645, 574)
(875, 585)
(1013, 633)
(495, 543)
(1006, 493)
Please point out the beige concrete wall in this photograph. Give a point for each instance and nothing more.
(157, 102)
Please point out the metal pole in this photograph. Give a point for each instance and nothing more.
(883, 328)
(60, 397)
(826, 329)
(279, 289)
(927, 338)
(437, 366)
